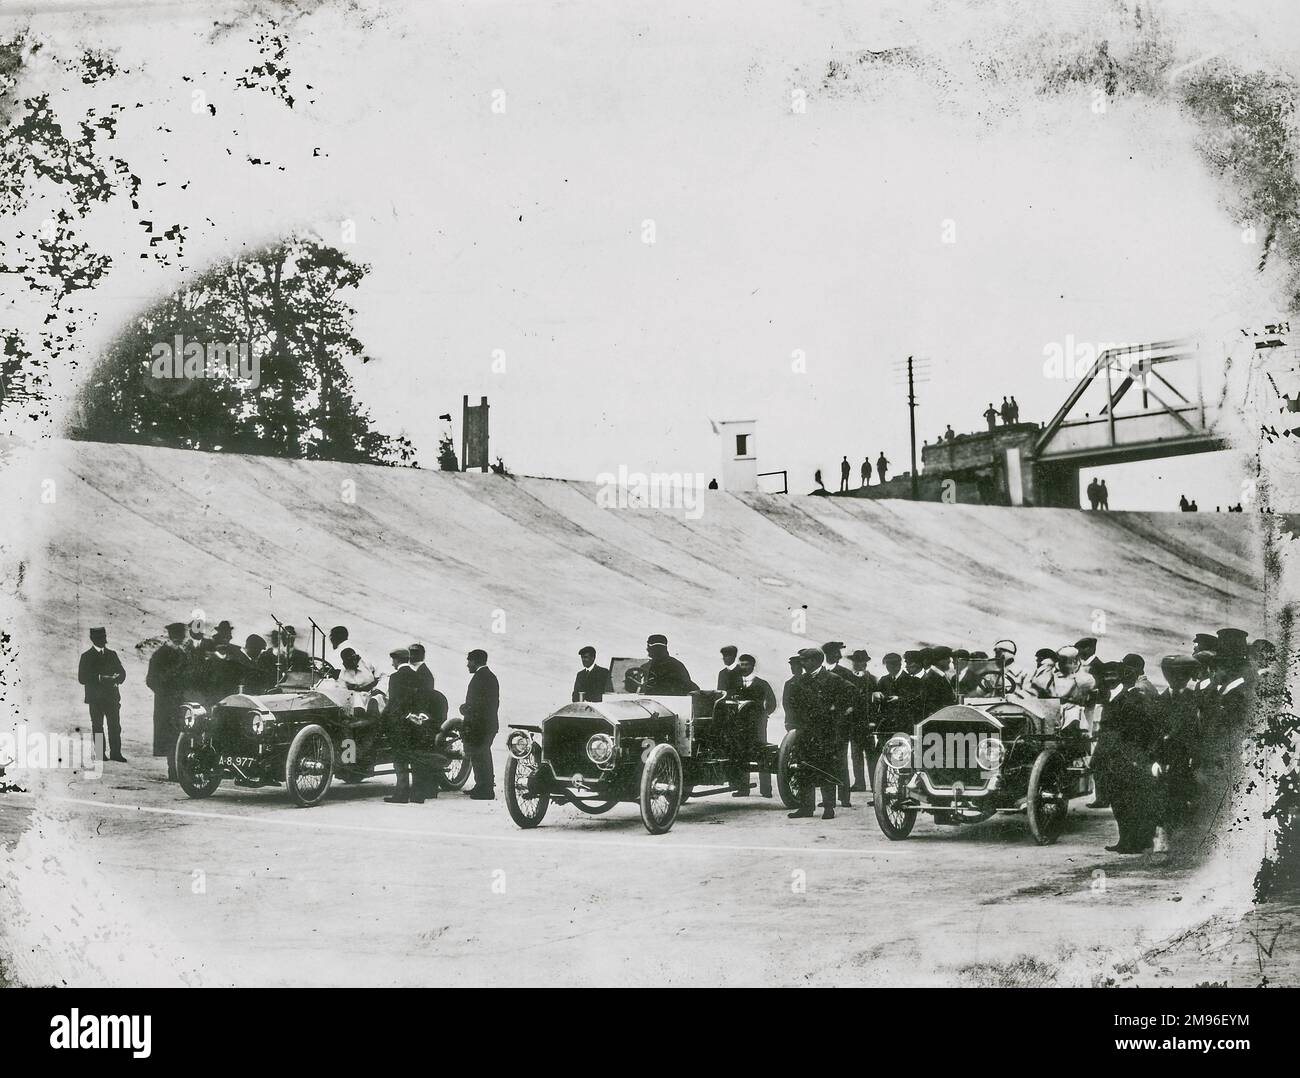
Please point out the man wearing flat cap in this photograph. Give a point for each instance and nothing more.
(729, 676)
(664, 675)
(1140, 682)
(1179, 722)
(482, 701)
(165, 678)
(1089, 663)
(833, 651)
(788, 696)
(756, 702)
(1236, 677)
(823, 702)
(592, 682)
(866, 707)
(101, 672)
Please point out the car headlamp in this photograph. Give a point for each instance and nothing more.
(990, 753)
(520, 745)
(600, 749)
(262, 722)
(194, 714)
(898, 750)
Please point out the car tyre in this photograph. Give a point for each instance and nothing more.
(661, 789)
(789, 784)
(457, 770)
(1047, 801)
(309, 766)
(196, 780)
(526, 809)
(896, 823)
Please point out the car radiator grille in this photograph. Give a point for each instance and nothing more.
(564, 742)
(960, 738)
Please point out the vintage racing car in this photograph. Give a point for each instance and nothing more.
(302, 734)
(656, 751)
(1006, 752)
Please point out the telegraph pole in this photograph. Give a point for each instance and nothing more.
(911, 418)
(918, 370)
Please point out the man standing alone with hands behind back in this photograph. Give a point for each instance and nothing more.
(482, 700)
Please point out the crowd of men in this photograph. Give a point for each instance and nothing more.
(1160, 756)
(1155, 751)
(193, 666)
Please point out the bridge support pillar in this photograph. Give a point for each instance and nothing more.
(1056, 485)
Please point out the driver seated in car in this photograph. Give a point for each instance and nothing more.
(1007, 679)
(358, 678)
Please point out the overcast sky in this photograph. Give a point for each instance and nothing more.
(778, 234)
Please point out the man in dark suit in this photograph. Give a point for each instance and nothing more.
(823, 705)
(861, 739)
(482, 701)
(936, 682)
(664, 675)
(592, 682)
(230, 666)
(294, 659)
(404, 693)
(757, 701)
(834, 651)
(258, 679)
(729, 677)
(166, 680)
(419, 666)
(789, 702)
(887, 686)
(101, 672)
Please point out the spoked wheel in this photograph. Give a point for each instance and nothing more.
(1048, 799)
(789, 780)
(526, 807)
(888, 794)
(591, 806)
(309, 767)
(661, 789)
(197, 769)
(457, 770)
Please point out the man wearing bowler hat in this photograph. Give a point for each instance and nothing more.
(101, 672)
(592, 682)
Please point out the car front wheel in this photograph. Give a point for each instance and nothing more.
(661, 789)
(525, 804)
(1048, 798)
(889, 795)
(197, 769)
(789, 783)
(309, 767)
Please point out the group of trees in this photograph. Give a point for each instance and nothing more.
(284, 307)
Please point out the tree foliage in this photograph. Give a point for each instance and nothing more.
(285, 307)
